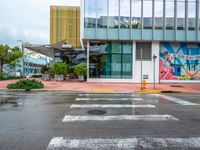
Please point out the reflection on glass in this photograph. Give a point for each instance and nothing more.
(136, 14)
(90, 14)
(147, 14)
(158, 13)
(102, 13)
(113, 20)
(181, 15)
(191, 15)
(199, 14)
(169, 12)
(110, 60)
(124, 13)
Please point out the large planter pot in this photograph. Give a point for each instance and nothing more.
(46, 77)
(81, 78)
(59, 77)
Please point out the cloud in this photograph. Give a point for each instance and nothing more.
(27, 20)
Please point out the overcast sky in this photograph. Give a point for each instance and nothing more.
(27, 20)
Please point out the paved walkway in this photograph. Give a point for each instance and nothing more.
(109, 87)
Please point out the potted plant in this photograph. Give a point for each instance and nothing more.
(80, 71)
(59, 70)
(45, 73)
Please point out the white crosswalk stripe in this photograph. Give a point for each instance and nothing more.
(110, 106)
(108, 99)
(100, 94)
(72, 118)
(175, 100)
(59, 143)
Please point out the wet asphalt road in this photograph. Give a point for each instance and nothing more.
(36, 118)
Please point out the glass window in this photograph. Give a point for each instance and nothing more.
(116, 47)
(102, 10)
(147, 14)
(181, 15)
(110, 60)
(113, 20)
(124, 13)
(169, 12)
(90, 14)
(116, 66)
(199, 16)
(146, 51)
(191, 14)
(136, 14)
(158, 13)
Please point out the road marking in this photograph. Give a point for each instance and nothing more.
(71, 118)
(175, 100)
(98, 94)
(111, 106)
(108, 99)
(125, 144)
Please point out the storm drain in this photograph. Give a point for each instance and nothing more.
(96, 112)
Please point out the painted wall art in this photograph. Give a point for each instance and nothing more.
(179, 61)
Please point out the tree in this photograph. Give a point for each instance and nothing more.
(9, 56)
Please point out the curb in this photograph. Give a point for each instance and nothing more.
(159, 91)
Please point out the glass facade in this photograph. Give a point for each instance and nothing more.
(110, 60)
(181, 15)
(198, 12)
(142, 20)
(90, 14)
(125, 13)
(158, 13)
(169, 13)
(136, 14)
(102, 13)
(191, 15)
(147, 14)
(113, 20)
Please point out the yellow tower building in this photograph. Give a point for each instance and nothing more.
(65, 25)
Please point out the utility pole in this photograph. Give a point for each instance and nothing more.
(141, 54)
(154, 71)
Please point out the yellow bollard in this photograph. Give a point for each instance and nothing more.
(144, 84)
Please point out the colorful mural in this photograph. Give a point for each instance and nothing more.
(179, 61)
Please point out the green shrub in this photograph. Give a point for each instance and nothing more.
(36, 76)
(59, 68)
(26, 84)
(80, 70)
(9, 78)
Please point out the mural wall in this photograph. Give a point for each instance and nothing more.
(179, 61)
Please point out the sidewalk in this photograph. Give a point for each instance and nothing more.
(109, 87)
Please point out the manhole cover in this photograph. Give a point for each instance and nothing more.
(96, 112)
(176, 86)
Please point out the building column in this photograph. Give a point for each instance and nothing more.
(88, 47)
(133, 59)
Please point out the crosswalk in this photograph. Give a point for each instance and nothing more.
(124, 144)
(99, 101)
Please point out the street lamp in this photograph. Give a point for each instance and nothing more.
(154, 71)
(22, 43)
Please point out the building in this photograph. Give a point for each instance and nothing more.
(65, 25)
(118, 34)
(32, 64)
(65, 29)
